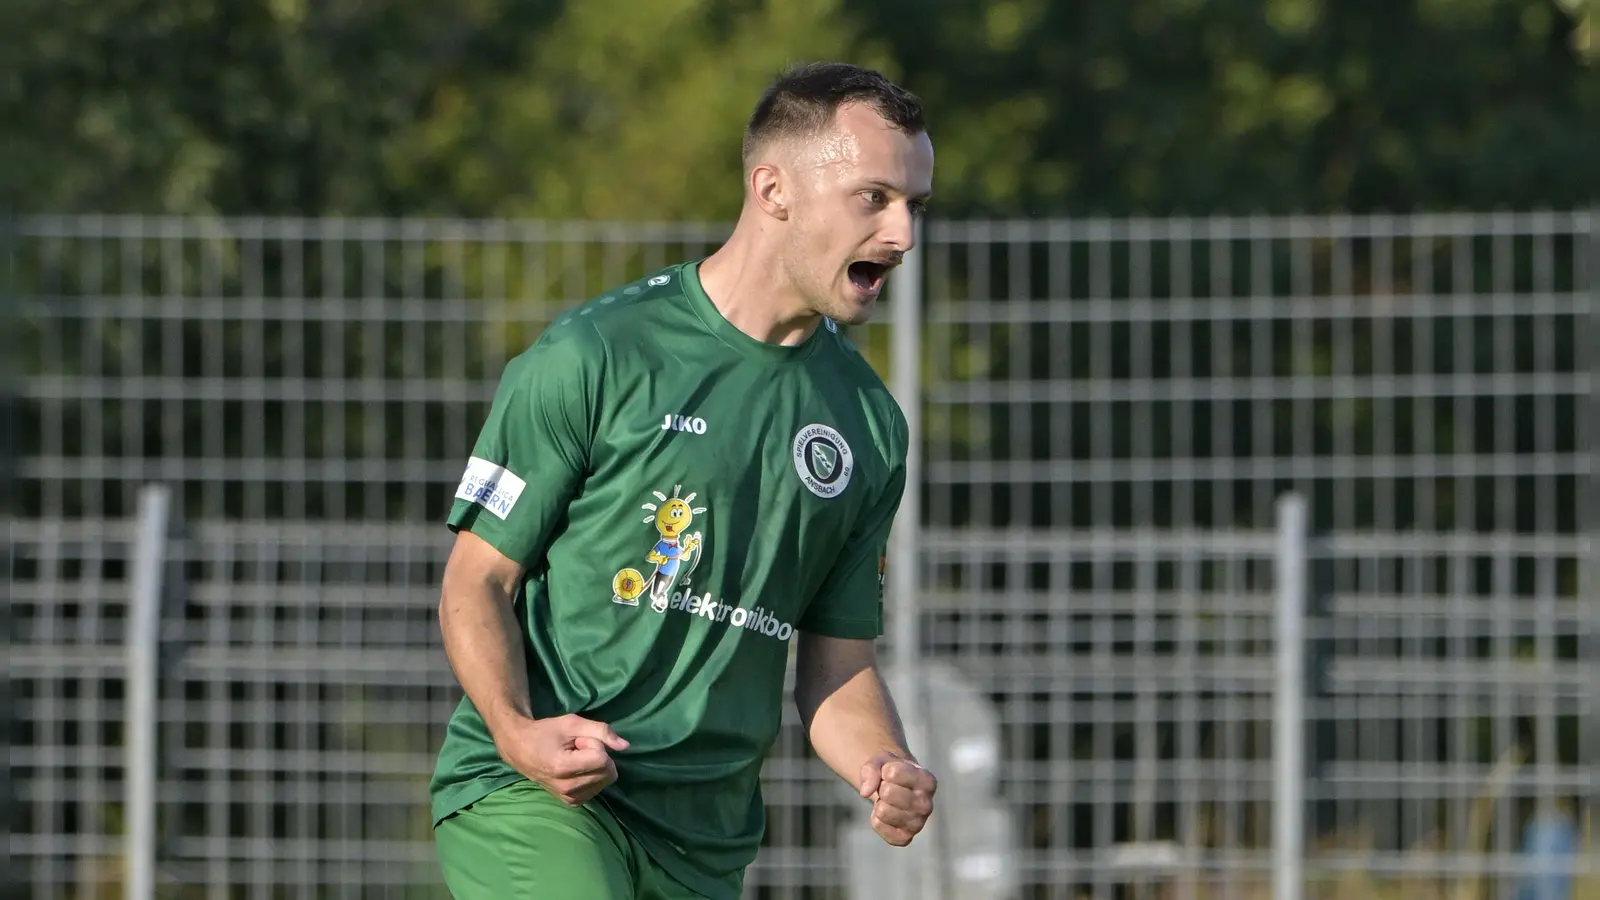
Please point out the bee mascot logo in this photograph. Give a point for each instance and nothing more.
(675, 555)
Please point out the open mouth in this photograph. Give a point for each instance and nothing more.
(867, 275)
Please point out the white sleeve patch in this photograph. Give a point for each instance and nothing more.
(491, 486)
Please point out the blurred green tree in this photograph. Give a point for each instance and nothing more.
(623, 110)
(491, 107)
(1181, 106)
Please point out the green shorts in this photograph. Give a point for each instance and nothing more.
(520, 842)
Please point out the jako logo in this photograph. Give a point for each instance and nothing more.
(684, 423)
(758, 620)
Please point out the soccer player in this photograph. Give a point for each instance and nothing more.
(677, 481)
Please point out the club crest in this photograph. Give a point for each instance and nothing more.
(823, 460)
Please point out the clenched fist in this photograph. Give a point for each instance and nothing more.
(902, 797)
(567, 755)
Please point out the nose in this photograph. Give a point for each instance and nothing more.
(899, 228)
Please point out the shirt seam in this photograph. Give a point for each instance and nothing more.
(595, 405)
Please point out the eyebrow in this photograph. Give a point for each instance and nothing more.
(880, 183)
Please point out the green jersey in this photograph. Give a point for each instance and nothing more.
(685, 498)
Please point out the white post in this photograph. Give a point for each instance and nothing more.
(143, 650)
(1288, 732)
(905, 382)
(904, 562)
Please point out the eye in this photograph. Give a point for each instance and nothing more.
(918, 207)
(874, 198)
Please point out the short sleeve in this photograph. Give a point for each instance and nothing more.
(532, 453)
(850, 601)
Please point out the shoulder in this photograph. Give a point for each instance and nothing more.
(583, 335)
(628, 307)
(566, 349)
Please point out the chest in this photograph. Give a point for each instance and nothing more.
(752, 442)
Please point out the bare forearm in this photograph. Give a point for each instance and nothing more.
(851, 722)
(484, 647)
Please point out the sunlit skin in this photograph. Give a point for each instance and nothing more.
(812, 207)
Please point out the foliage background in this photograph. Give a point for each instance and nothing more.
(615, 109)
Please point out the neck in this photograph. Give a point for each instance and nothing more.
(746, 282)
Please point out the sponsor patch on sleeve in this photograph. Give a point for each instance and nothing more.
(491, 486)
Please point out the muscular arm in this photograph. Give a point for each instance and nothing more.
(844, 704)
(854, 728)
(567, 754)
(481, 638)
(529, 460)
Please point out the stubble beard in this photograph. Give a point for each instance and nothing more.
(824, 300)
(813, 289)
(817, 288)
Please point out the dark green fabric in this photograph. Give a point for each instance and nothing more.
(685, 499)
(520, 842)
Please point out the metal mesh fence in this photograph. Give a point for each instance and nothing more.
(1111, 410)
(1101, 390)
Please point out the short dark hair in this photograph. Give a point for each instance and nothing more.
(804, 99)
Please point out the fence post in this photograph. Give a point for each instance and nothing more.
(10, 464)
(1588, 427)
(143, 649)
(905, 632)
(1288, 731)
(905, 377)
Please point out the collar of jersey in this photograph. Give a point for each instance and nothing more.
(729, 334)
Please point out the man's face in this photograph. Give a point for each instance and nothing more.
(859, 188)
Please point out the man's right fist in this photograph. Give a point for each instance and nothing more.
(567, 755)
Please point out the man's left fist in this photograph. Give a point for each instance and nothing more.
(902, 796)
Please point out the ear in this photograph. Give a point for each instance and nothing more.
(769, 188)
